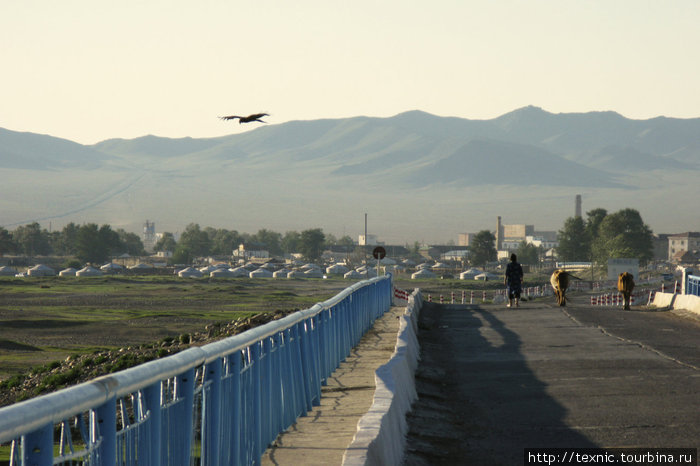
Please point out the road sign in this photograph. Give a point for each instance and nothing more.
(379, 253)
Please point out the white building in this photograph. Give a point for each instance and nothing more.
(369, 240)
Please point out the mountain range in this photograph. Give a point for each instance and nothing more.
(418, 176)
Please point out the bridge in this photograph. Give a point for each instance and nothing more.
(492, 381)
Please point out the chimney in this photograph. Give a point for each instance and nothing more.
(578, 206)
(499, 234)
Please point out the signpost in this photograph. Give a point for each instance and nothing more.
(379, 253)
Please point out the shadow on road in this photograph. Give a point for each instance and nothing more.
(479, 402)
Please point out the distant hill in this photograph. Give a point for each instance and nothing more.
(39, 152)
(300, 171)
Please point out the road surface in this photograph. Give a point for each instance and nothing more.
(493, 381)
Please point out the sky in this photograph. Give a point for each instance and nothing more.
(89, 70)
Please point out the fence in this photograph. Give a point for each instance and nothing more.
(222, 403)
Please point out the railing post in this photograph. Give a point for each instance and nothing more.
(211, 416)
(236, 362)
(304, 332)
(152, 395)
(107, 428)
(266, 389)
(184, 388)
(315, 356)
(37, 446)
(257, 449)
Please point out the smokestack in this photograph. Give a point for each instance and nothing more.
(365, 228)
(499, 234)
(578, 206)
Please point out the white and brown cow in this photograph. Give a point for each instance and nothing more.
(560, 282)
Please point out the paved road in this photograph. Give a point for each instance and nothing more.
(493, 381)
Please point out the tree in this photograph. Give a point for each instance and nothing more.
(290, 242)
(96, 245)
(482, 248)
(528, 253)
(182, 255)
(66, 243)
(574, 241)
(131, 243)
(195, 241)
(346, 241)
(7, 244)
(270, 240)
(595, 217)
(623, 235)
(165, 243)
(32, 240)
(311, 243)
(223, 242)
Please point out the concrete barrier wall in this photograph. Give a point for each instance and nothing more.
(688, 302)
(381, 433)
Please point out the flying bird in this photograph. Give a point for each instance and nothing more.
(246, 119)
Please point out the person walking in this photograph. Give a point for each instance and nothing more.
(513, 281)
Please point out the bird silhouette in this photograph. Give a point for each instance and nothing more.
(246, 119)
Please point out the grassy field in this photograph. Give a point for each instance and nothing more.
(48, 319)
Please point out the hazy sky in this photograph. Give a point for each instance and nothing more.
(91, 70)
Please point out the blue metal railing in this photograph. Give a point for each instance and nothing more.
(219, 404)
(692, 286)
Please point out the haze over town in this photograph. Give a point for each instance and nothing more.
(89, 73)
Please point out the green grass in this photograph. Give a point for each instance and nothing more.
(49, 318)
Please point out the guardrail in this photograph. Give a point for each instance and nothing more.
(219, 404)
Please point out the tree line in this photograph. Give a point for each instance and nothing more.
(599, 237)
(87, 243)
(90, 243)
(602, 236)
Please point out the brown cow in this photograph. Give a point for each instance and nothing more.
(625, 285)
(560, 283)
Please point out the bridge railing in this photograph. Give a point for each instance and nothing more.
(692, 286)
(219, 404)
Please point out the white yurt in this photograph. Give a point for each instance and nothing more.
(7, 271)
(269, 266)
(423, 265)
(423, 273)
(408, 262)
(281, 273)
(223, 273)
(336, 269)
(69, 272)
(260, 273)
(111, 268)
(353, 274)
(190, 272)
(296, 274)
(309, 266)
(440, 266)
(366, 272)
(41, 270)
(88, 271)
(208, 269)
(470, 274)
(313, 273)
(240, 272)
(486, 276)
(387, 261)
